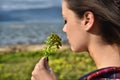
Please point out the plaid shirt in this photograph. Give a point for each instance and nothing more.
(109, 73)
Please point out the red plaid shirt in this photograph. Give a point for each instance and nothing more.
(110, 73)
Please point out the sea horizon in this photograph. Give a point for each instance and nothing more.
(28, 33)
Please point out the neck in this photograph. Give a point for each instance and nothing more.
(105, 55)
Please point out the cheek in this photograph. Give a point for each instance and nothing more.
(79, 44)
(77, 38)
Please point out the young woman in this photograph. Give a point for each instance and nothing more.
(93, 26)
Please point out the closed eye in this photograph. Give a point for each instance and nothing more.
(65, 22)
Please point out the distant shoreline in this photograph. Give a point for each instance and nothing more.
(25, 48)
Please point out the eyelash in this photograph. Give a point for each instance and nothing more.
(65, 21)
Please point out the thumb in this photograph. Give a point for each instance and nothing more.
(44, 63)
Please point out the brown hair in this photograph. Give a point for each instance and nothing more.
(107, 12)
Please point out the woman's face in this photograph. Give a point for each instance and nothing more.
(74, 29)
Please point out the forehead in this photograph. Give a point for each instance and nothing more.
(64, 6)
(65, 9)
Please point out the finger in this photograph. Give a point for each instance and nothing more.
(46, 63)
(53, 75)
(51, 71)
(36, 70)
(43, 60)
(43, 63)
(37, 67)
(40, 64)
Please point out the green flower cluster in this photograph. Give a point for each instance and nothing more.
(53, 42)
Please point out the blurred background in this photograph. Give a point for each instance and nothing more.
(29, 21)
(24, 24)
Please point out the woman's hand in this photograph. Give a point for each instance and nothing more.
(42, 71)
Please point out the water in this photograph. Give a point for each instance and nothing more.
(28, 33)
(29, 21)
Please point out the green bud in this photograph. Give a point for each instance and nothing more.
(53, 42)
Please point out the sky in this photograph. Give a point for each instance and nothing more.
(28, 4)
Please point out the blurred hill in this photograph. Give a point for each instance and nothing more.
(51, 14)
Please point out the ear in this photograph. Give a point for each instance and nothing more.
(88, 20)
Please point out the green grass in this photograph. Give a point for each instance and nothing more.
(67, 65)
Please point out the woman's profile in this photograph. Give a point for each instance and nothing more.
(92, 26)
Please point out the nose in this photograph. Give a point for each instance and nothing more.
(64, 28)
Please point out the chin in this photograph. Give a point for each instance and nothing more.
(74, 49)
(77, 49)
